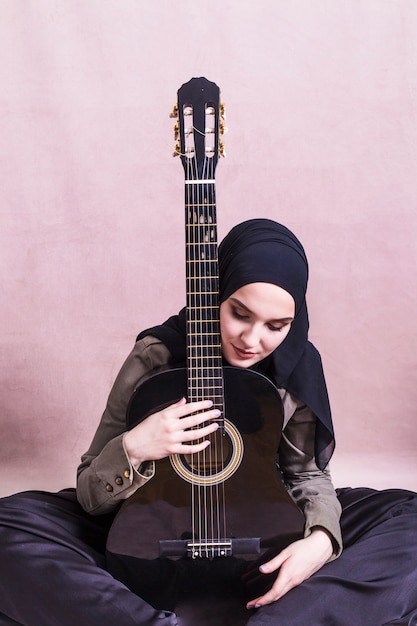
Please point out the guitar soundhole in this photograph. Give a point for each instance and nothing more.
(213, 459)
(216, 463)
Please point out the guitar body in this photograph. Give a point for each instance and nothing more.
(258, 505)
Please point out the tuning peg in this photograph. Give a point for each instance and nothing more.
(223, 128)
(177, 149)
(176, 130)
(174, 112)
(222, 110)
(222, 151)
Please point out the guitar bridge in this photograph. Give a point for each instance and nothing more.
(209, 548)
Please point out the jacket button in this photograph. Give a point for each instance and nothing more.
(126, 474)
(118, 480)
(109, 487)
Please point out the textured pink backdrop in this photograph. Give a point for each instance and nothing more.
(321, 102)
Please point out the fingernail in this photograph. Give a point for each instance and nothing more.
(217, 413)
(263, 568)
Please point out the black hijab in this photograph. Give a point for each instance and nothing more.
(261, 250)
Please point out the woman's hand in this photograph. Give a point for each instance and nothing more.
(298, 561)
(167, 432)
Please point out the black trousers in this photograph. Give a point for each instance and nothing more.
(53, 570)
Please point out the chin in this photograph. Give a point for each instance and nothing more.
(242, 364)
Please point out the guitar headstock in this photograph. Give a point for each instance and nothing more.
(198, 129)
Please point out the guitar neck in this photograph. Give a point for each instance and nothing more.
(204, 355)
(198, 146)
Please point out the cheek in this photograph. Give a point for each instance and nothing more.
(276, 339)
(229, 326)
(227, 322)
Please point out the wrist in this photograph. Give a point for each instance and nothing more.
(128, 446)
(322, 536)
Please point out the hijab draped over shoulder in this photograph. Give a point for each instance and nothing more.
(261, 250)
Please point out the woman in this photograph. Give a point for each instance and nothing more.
(52, 566)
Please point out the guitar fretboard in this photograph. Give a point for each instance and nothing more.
(204, 356)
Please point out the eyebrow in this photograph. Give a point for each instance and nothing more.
(283, 320)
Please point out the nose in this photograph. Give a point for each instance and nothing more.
(251, 336)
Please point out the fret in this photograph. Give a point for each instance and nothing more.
(210, 326)
(205, 347)
(202, 237)
(202, 340)
(201, 293)
(204, 244)
(202, 365)
(197, 310)
(209, 322)
(195, 334)
(204, 384)
(203, 334)
(202, 362)
(195, 324)
(205, 276)
(211, 352)
(212, 369)
(201, 181)
(204, 205)
(200, 309)
(209, 372)
(212, 387)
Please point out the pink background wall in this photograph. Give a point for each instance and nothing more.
(321, 102)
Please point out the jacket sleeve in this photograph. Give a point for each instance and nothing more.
(311, 488)
(105, 475)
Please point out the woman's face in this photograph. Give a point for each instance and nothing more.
(254, 321)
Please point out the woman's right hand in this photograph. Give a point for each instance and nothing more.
(168, 432)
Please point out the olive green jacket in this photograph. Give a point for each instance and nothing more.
(106, 476)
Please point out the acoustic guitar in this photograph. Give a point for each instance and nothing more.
(207, 518)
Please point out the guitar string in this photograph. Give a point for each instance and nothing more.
(188, 218)
(220, 381)
(217, 502)
(213, 351)
(196, 194)
(207, 212)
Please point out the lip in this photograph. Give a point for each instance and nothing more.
(243, 354)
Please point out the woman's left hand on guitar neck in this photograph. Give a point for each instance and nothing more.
(297, 562)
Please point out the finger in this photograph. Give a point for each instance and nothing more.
(273, 564)
(198, 434)
(268, 598)
(184, 408)
(186, 448)
(279, 589)
(195, 420)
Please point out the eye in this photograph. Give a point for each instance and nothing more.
(278, 329)
(240, 316)
(275, 329)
